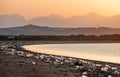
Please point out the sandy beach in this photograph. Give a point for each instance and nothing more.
(17, 62)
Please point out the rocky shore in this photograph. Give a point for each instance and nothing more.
(17, 62)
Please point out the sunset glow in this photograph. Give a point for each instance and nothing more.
(66, 8)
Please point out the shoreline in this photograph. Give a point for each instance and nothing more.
(38, 48)
(14, 60)
(33, 51)
(58, 42)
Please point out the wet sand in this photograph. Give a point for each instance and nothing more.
(17, 62)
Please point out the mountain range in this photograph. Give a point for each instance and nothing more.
(11, 21)
(54, 20)
(42, 30)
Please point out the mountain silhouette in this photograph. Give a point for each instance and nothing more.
(111, 21)
(11, 21)
(89, 20)
(54, 20)
(42, 30)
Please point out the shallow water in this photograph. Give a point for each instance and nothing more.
(108, 52)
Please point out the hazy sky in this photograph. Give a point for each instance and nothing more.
(34, 8)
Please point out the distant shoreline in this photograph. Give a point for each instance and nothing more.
(59, 42)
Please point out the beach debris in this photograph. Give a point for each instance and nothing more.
(34, 63)
(49, 60)
(113, 68)
(78, 65)
(42, 56)
(84, 76)
(36, 57)
(29, 55)
(104, 68)
(84, 73)
(66, 61)
(109, 75)
(97, 65)
(85, 67)
(117, 72)
(61, 63)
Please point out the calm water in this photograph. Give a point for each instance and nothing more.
(109, 52)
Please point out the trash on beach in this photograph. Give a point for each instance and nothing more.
(85, 67)
(108, 66)
(36, 57)
(34, 63)
(84, 73)
(84, 76)
(66, 61)
(56, 63)
(78, 65)
(113, 68)
(61, 63)
(48, 60)
(104, 68)
(20, 53)
(109, 76)
(97, 65)
(117, 72)
(29, 55)
(57, 60)
(42, 56)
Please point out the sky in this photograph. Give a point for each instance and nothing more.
(66, 8)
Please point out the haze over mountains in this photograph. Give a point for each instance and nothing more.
(90, 20)
(11, 21)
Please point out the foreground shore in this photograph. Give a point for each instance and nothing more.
(17, 62)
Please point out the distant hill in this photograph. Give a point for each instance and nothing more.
(90, 20)
(41, 30)
(11, 21)
(53, 20)
(111, 21)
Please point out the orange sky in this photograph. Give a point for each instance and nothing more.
(34, 8)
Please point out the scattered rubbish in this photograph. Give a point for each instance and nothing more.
(34, 63)
(85, 67)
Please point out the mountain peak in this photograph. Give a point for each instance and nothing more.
(55, 15)
(30, 25)
(34, 26)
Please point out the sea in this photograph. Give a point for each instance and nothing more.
(107, 52)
